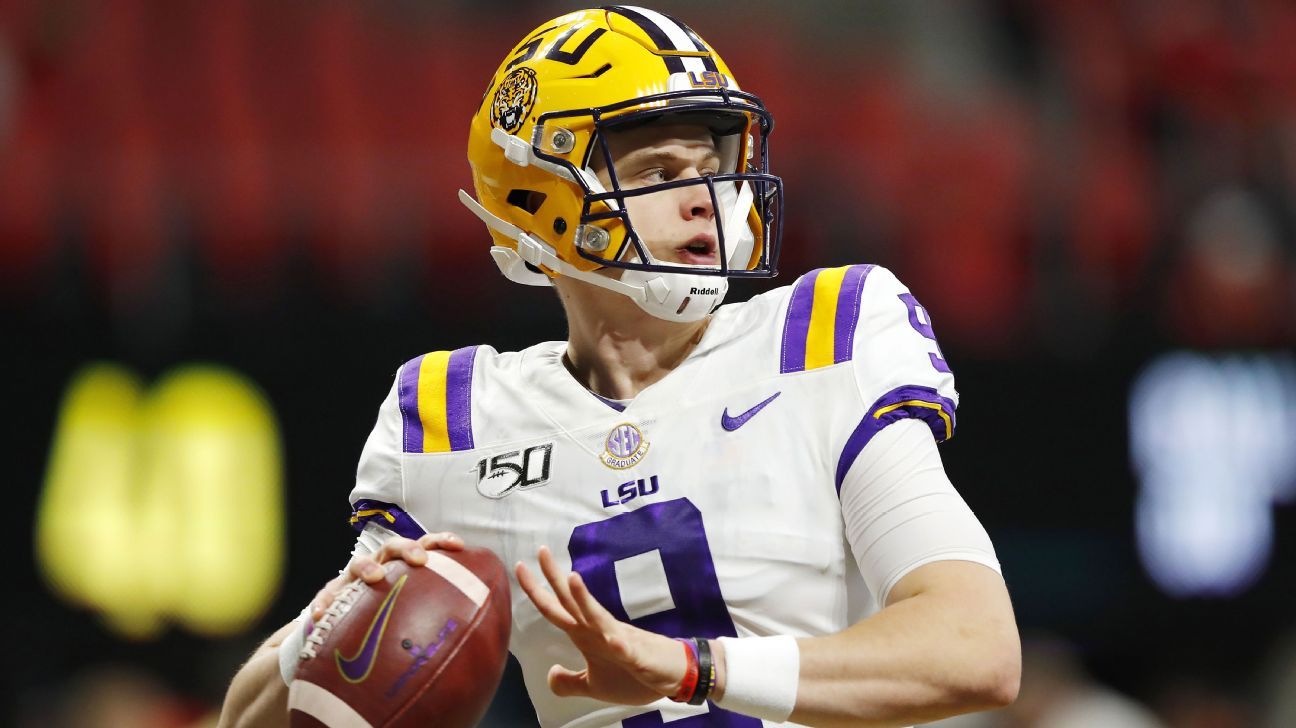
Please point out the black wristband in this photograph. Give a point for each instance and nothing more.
(706, 672)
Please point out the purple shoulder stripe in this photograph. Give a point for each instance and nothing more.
(407, 393)
(796, 325)
(898, 404)
(848, 310)
(459, 374)
(388, 515)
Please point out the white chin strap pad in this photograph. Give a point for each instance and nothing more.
(670, 296)
(677, 296)
(515, 268)
(660, 294)
(689, 296)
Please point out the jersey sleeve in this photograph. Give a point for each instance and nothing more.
(899, 369)
(427, 411)
(901, 511)
(899, 507)
(863, 315)
(898, 364)
(379, 494)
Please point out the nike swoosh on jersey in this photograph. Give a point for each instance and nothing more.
(733, 423)
(356, 667)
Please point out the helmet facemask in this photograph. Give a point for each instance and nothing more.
(744, 198)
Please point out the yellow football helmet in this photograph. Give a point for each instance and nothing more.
(539, 125)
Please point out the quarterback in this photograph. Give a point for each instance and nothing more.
(720, 515)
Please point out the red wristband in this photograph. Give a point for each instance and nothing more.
(689, 686)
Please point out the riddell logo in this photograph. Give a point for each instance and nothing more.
(695, 291)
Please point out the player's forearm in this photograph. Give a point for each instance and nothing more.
(257, 696)
(914, 662)
(953, 649)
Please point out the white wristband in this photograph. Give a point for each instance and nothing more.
(290, 648)
(761, 675)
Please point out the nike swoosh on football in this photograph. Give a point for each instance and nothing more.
(733, 423)
(356, 667)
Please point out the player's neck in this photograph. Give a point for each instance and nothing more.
(616, 349)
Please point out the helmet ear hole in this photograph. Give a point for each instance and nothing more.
(528, 200)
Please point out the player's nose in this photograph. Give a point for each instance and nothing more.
(696, 201)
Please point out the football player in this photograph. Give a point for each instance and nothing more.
(721, 515)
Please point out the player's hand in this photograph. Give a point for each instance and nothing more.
(623, 664)
(368, 567)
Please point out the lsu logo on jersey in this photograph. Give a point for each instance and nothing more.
(624, 447)
(630, 490)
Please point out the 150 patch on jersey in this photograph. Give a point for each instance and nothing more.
(504, 473)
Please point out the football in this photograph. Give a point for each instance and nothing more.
(424, 647)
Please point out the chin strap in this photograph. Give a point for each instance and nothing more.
(512, 263)
(681, 296)
(519, 152)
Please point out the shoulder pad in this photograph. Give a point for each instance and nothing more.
(435, 395)
(819, 329)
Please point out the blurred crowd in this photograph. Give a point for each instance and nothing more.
(1039, 169)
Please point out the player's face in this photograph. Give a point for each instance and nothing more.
(677, 225)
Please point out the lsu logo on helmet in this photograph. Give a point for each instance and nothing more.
(513, 99)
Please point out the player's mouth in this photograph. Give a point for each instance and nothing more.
(699, 250)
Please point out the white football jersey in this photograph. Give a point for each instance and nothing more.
(708, 506)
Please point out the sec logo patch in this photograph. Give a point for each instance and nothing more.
(624, 448)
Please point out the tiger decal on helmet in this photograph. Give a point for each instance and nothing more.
(513, 99)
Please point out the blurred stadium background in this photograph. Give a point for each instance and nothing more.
(223, 225)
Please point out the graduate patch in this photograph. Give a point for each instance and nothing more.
(624, 448)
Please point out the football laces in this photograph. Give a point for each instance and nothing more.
(335, 611)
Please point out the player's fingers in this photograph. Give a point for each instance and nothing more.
(593, 613)
(331, 589)
(366, 568)
(549, 606)
(399, 547)
(612, 630)
(549, 565)
(323, 598)
(445, 540)
(568, 683)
